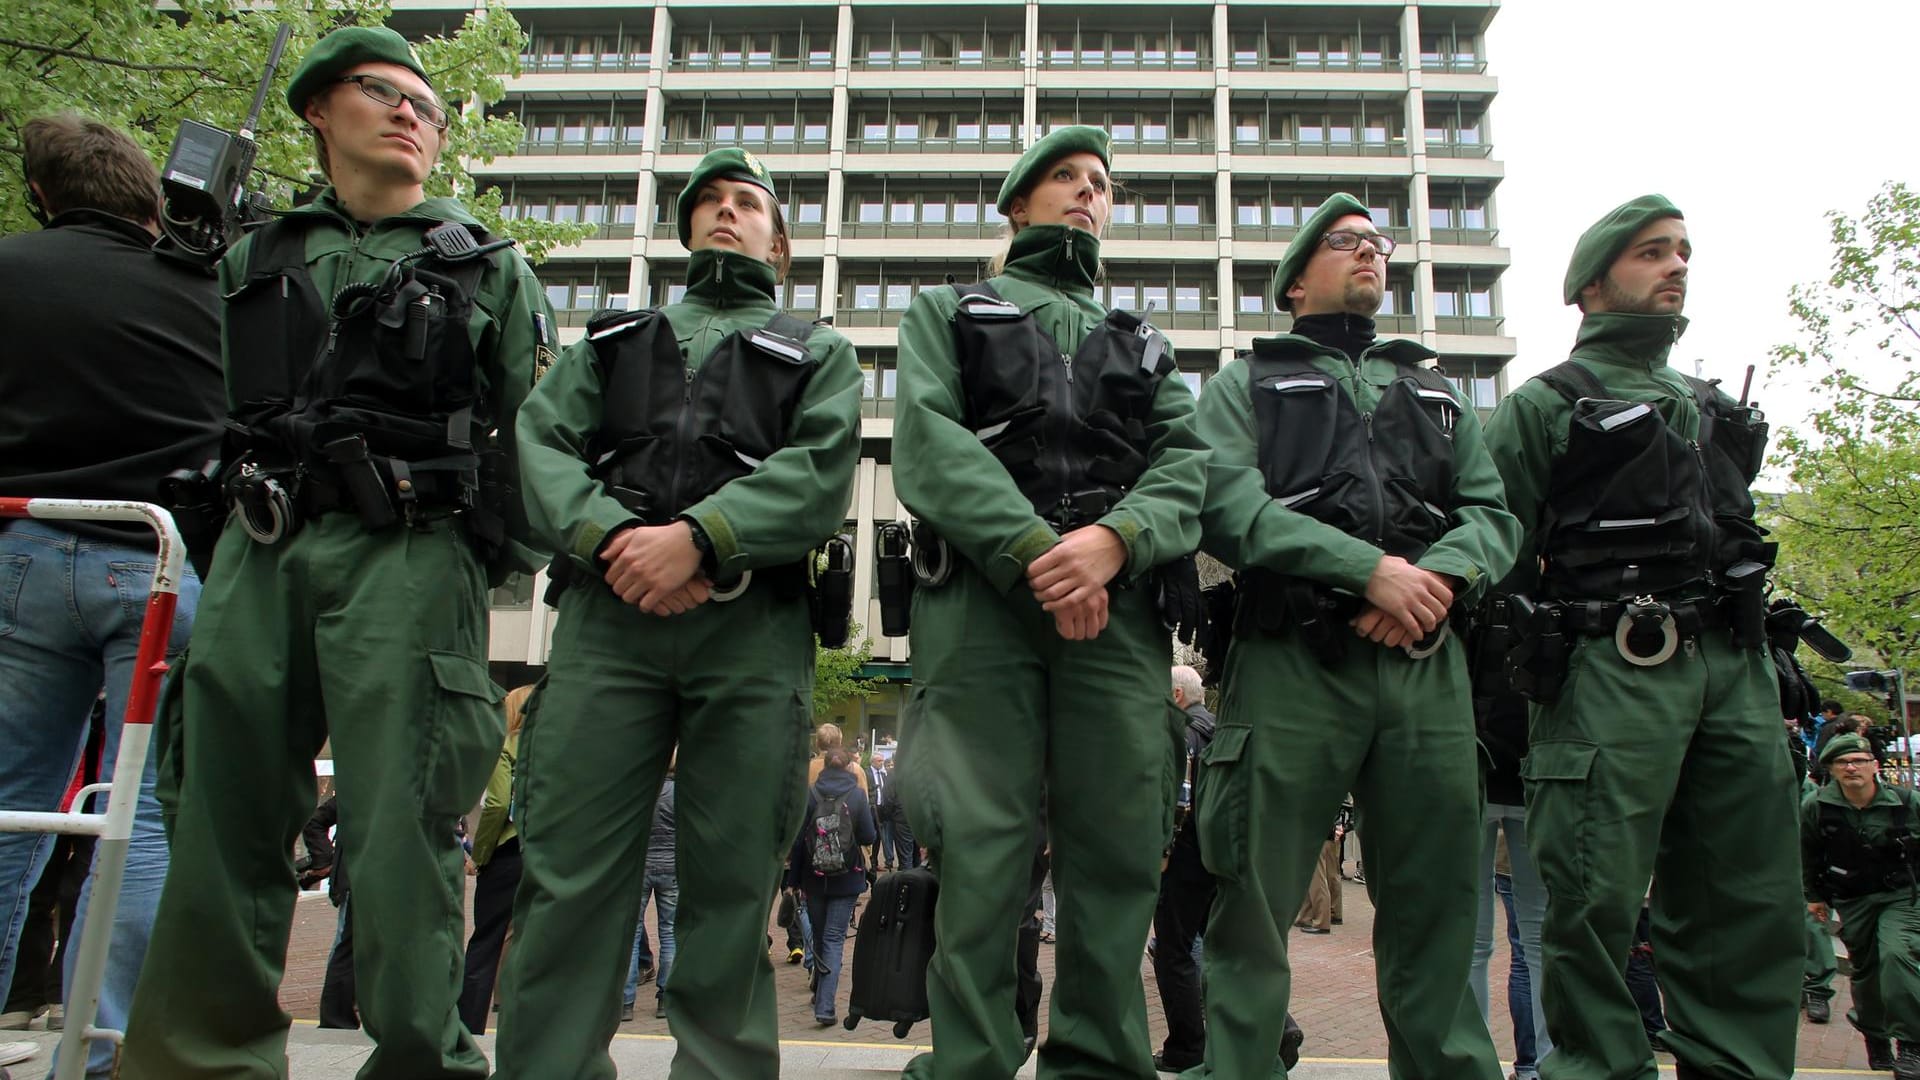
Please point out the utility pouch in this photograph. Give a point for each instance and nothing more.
(1216, 629)
(830, 595)
(1743, 586)
(362, 480)
(1537, 665)
(1493, 637)
(894, 566)
(1312, 613)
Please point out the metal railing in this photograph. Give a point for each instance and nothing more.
(934, 146)
(584, 65)
(1394, 147)
(1489, 325)
(952, 230)
(113, 828)
(539, 147)
(760, 146)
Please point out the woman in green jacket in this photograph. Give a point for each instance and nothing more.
(685, 462)
(1045, 446)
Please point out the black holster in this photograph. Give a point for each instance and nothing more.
(1491, 638)
(365, 488)
(1537, 663)
(1216, 633)
(194, 498)
(1743, 600)
(1274, 604)
(894, 568)
(830, 593)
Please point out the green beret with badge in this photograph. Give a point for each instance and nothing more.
(1073, 139)
(1608, 237)
(1848, 743)
(727, 163)
(342, 51)
(1338, 205)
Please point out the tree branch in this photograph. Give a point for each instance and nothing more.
(74, 54)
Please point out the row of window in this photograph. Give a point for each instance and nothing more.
(1089, 43)
(626, 131)
(1143, 205)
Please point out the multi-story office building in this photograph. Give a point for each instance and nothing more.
(891, 125)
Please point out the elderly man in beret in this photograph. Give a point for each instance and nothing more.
(378, 344)
(1859, 843)
(1655, 741)
(1350, 489)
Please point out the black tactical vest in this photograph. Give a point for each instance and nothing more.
(1852, 867)
(1070, 430)
(671, 436)
(1634, 508)
(389, 361)
(1385, 476)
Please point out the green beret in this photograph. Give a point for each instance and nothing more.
(726, 163)
(342, 51)
(1848, 743)
(1076, 139)
(1608, 237)
(1307, 240)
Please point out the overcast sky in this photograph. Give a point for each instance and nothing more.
(1755, 117)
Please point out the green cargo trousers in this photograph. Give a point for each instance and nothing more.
(377, 640)
(1675, 774)
(1295, 737)
(1004, 712)
(1882, 932)
(1819, 965)
(729, 684)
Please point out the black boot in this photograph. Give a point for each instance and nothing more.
(1879, 1054)
(1818, 1011)
(1907, 1065)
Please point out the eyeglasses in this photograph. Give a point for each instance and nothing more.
(1854, 763)
(384, 92)
(1348, 240)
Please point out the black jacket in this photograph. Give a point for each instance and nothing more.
(1183, 860)
(834, 784)
(110, 377)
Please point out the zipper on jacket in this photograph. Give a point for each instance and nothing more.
(680, 437)
(1379, 490)
(1713, 525)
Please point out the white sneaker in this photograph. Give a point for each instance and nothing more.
(17, 1020)
(13, 1052)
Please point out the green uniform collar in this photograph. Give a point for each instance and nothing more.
(1398, 350)
(1882, 795)
(436, 210)
(1057, 256)
(1634, 341)
(724, 279)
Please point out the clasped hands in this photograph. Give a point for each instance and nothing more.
(656, 568)
(1404, 603)
(1070, 580)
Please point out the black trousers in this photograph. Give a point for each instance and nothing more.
(42, 952)
(492, 913)
(1640, 977)
(1179, 918)
(1027, 988)
(337, 1003)
(906, 853)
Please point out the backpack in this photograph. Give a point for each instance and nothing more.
(833, 835)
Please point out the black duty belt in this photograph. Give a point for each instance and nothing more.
(1646, 630)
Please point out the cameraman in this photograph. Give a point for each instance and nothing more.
(109, 381)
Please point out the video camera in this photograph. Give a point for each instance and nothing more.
(205, 201)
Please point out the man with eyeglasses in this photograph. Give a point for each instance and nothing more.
(378, 344)
(1655, 749)
(1859, 842)
(1350, 489)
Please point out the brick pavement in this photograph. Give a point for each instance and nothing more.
(1334, 998)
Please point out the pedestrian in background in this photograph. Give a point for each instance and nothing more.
(495, 861)
(829, 868)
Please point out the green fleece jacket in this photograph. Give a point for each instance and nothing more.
(795, 499)
(951, 481)
(1874, 823)
(511, 330)
(1245, 526)
(1528, 431)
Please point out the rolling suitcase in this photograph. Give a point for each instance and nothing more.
(891, 950)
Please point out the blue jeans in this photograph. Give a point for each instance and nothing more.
(831, 916)
(1526, 1055)
(1529, 908)
(664, 889)
(70, 615)
(883, 847)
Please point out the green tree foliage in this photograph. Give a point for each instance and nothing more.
(836, 672)
(1849, 526)
(143, 70)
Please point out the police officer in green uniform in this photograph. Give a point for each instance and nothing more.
(1350, 488)
(685, 461)
(374, 341)
(1655, 735)
(1859, 843)
(1045, 445)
